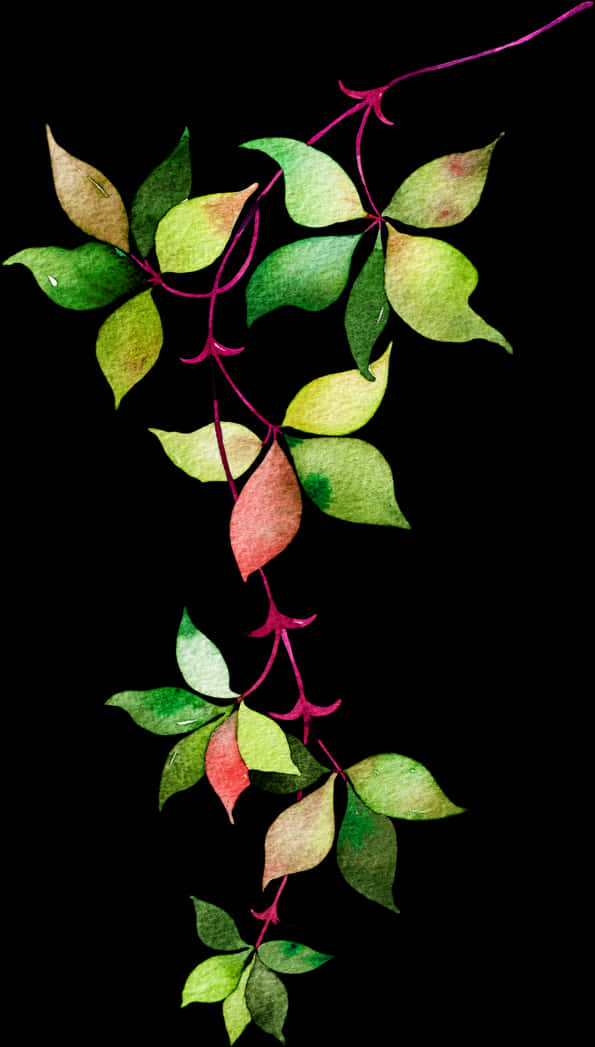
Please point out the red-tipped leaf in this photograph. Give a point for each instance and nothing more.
(224, 766)
(267, 514)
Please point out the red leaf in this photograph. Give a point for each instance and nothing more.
(267, 514)
(225, 769)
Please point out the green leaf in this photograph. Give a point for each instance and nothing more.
(214, 979)
(444, 191)
(129, 343)
(201, 663)
(318, 191)
(193, 234)
(262, 743)
(367, 310)
(216, 928)
(309, 768)
(169, 184)
(338, 403)
(348, 478)
(310, 274)
(86, 277)
(166, 710)
(428, 284)
(400, 787)
(267, 1000)
(235, 1009)
(367, 851)
(197, 453)
(185, 764)
(291, 957)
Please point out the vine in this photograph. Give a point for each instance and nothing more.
(426, 282)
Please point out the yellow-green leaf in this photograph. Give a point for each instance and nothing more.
(129, 343)
(400, 787)
(339, 403)
(197, 453)
(301, 837)
(262, 743)
(214, 979)
(193, 234)
(235, 1010)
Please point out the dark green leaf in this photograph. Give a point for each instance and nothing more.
(216, 928)
(185, 764)
(169, 184)
(367, 310)
(309, 768)
(166, 710)
(291, 957)
(86, 277)
(267, 1001)
(367, 851)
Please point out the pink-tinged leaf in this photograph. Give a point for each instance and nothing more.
(224, 766)
(267, 514)
(301, 837)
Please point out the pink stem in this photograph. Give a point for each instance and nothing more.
(219, 435)
(238, 392)
(272, 912)
(265, 671)
(331, 758)
(349, 112)
(358, 156)
(297, 674)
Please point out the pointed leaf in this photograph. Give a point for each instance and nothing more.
(88, 197)
(310, 274)
(197, 453)
(169, 184)
(291, 957)
(185, 764)
(201, 663)
(339, 403)
(367, 851)
(444, 191)
(267, 1000)
(367, 310)
(215, 927)
(214, 979)
(309, 768)
(428, 284)
(235, 1009)
(262, 743)
(166, 710)
(301, 837)
(347, 478)
(86, 277)
(318, 191)
(400, 787)
(225, 768)
(129, 343)
(267, 514)
(193, 234)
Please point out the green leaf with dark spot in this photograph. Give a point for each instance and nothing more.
(291, 957)
(201, 663)
(309, 768)
(216, 928)
(267, 1001)
(185, 764)
(367, 851)
(214, 979)
(85, 277)
(400, 787)
(348, 478)
(367, 311)
(169, 184)
(310, 274)
(166, 710)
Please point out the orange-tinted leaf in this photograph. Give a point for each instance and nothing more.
(301, 837)
(225, 769)
(267, 514)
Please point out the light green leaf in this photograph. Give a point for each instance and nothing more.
(310, 274)
(367, 851)
(444, 191)
(291, 957)
(193, 234)
(166, 710)
(235, 1009)
(367, 310)
(201, 663)
(309, 768)
(428, 283)
(318, 191)
(262, 743)
(197, 453)
(169, 184)
(216, 928)
(214, 979)
(400, 787)
(86, 277)
(267, 1000)
(185, 764)
(129, 343)
(347, 478)
(339, 403)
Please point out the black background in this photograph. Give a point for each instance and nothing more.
(443, 642)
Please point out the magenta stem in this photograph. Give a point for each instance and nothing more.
(239, 393)
(219, 435)
(349, 112)
(331, 758)
(358, 157)
(297, 674)
(265, 672)
(273, 911)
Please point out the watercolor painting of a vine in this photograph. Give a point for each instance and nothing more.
(385, 263)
